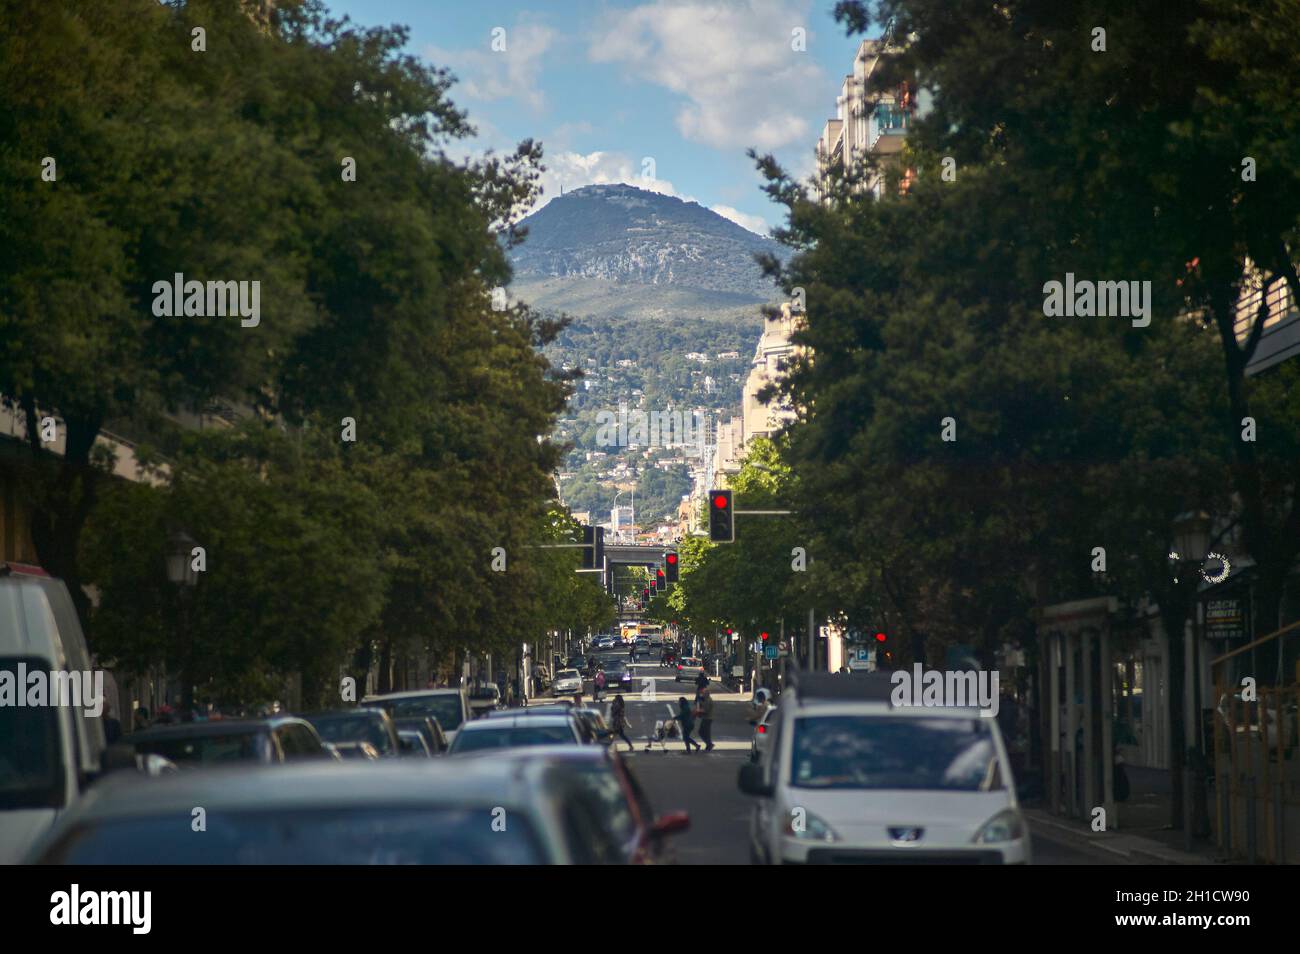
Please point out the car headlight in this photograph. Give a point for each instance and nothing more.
(809, 827)
(1007, 825)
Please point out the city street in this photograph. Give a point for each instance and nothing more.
(415, 418)
(704, 784)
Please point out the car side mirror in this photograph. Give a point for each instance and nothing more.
(751, 781)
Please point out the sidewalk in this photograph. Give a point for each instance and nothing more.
(1140, 834)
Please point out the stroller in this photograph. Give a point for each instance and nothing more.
(664, 730)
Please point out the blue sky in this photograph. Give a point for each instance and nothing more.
(605, 85)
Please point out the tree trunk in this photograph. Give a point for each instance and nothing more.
(61, 505)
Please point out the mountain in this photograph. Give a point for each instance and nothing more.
(606, 250)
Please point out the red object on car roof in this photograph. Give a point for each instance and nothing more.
(23, 569)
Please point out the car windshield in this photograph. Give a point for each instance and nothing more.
(31, 773)
(897, 753)
(507, 737)
(218, 747)
(567, 674)
(445, 707)
(362, 835)
(354, 728)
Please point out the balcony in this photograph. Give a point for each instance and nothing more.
(887, 120)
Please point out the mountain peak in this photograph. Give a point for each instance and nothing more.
(615, 248)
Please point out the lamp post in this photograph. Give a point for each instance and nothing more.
(1191, 531)
(182, 575)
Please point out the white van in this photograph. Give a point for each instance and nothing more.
(48, 754)
(848, 778)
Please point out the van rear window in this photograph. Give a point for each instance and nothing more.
(31, 764)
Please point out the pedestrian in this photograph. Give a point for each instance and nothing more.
(706, 718)
(686, 719)
(577, 700)
(618, 717)
(112, 728)
(701, 681)
(598, 685)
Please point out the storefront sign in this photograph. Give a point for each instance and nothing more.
(1227, 618)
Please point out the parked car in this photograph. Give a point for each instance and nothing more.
(485, 699)
(413, 744)
(191, 744)
(449, 706)
(628, 820)
(590, 721)
(688, 669)
(49, 754)
(394, 811)
(428, 727)
(567, 682)
(363, 724)
(511, 731)
(875, 783)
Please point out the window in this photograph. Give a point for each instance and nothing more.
(908, 752)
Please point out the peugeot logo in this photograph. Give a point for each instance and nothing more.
(906, 836)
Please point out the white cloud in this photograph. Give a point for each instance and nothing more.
(574, 169)
(755, 223)
(512, 73)
(731, 61)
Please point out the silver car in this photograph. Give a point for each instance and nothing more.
(401, 812)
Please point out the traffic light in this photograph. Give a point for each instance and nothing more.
(670, 566)
(764, 635)
(660, 579)
(654, 587)
(593, 548)
(722, 521)
(881, 637)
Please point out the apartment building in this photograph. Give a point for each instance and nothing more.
(870, 122)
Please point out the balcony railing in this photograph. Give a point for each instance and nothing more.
(887, 120)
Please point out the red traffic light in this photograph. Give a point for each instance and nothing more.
(671, 558)
(720, 501)
(880, 637)
(764, 637)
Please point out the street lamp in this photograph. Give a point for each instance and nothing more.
(1192, 536)
(1191, 545)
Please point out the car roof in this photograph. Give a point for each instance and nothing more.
(859, 692)
(547, 753)
(496, 722)
(214, 727)
(363, 710)
(413, 693)
(308, 785)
